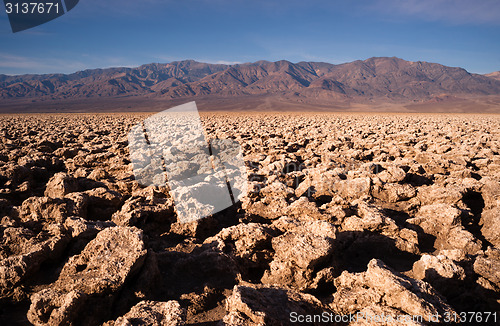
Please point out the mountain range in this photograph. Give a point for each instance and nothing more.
(378, 81)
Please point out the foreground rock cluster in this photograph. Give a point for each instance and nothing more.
(368, 215)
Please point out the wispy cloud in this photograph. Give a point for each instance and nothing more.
(451, 11)
(15, 64)
(224, 62)
(12, 64)
(128, 8)
(316, 58)
(165, 58)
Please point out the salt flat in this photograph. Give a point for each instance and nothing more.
(394, 214)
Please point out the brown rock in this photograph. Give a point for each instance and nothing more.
(354, 188)
(266, 305)
(79, 227)
(488, 266)
(490, 192)
(490, 220)
(98, 174)
(246, 239)
(459, 238)
(381, 286)
(269, 207)
(297, 252)
(51, 307)
(302, 208)
(45, 209)
(437, 194)
(139, 211)
(60, 184)
(444, 222)
(101, 268)
(153, 313)
(33, 252)
(394, 192)
(437, 218)
(102, 203)
(370, 219)
(392, 174)
(434, 268)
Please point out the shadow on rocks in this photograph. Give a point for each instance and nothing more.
(354, 249)
(466, 294)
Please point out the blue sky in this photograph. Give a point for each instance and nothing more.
(109, 33)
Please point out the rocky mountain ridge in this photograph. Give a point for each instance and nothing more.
(375, 79)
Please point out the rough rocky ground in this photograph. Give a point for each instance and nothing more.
(376, 214)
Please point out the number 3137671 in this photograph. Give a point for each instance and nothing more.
(32, 8)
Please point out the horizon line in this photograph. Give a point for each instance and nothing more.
(220, 62)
